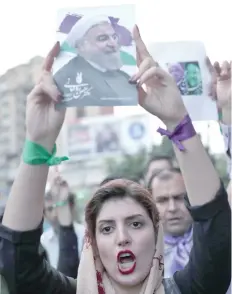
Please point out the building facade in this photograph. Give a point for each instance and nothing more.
(15, 85)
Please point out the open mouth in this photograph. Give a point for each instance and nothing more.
(126, 262)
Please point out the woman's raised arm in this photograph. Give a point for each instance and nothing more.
(208, 270)
(24, 208)
(22, 266)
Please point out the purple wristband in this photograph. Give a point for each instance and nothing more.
(182, 132)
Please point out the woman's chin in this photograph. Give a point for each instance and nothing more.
(129, 280)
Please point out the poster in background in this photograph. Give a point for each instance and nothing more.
(186, 62)
(135, 133)
(101, 137)
(107, 138)
(97, 56)
(79, 140)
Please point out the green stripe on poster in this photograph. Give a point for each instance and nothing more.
(127, 59)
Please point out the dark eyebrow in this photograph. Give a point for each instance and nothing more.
(134, 216)
(163, 196)
(171, 196)
(131, 217)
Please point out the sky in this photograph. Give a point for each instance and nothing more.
(27, 28)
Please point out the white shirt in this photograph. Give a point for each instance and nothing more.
(50, 242)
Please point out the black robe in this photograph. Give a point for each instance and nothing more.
(81, 84)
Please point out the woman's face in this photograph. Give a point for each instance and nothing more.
(126, 240)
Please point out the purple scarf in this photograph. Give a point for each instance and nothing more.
(177, 250)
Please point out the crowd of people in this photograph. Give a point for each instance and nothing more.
(167, 233)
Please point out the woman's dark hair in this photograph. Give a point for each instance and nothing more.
(111, 178)
(119, 188)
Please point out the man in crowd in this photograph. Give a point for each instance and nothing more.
(169, 192)
(94, 76)
(64, 232)
(155, 164)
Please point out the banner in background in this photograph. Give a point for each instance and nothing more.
(107, 136)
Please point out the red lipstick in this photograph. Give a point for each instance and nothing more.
(126, 262)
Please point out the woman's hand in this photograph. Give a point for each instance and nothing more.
(162, 97)
(59, 187)
(60, 190)
(43, 122)
(60, 193)
(221, 87)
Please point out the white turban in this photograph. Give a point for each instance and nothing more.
(82, 26)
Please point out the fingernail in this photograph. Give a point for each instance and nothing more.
(58, 97)
(132, 78)
(132, 82)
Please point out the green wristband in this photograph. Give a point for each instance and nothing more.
(60, 203)
(35, 154)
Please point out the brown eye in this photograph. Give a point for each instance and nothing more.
(136, 225)
(107, 230)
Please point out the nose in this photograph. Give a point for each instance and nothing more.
(172, 205)
(123, 237)
(112, 42)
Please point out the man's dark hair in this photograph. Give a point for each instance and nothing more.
(157, 158)
(162, 174)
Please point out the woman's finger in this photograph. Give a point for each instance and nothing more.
(141, 95)
(225, 69)
(50, 89)
(45, 89)
(153, 72)
(48, 62)
(213, 81)
(141, 48)
(217, 68)
(138, 59)
(145, 65)
(210, 66)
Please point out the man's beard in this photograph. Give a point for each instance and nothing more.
(110, 61)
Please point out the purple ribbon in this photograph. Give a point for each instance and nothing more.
(183, 131)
